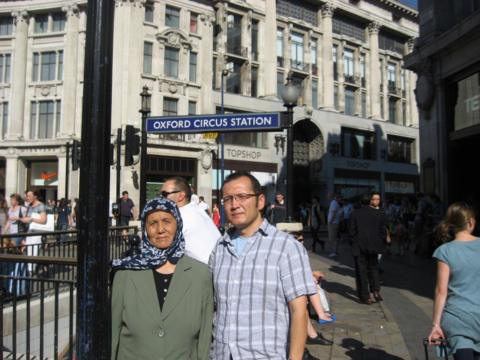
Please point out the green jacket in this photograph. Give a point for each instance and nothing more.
(183, 330)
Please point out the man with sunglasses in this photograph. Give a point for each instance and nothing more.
(261, 278)
(199, 231)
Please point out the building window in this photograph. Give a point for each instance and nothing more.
(6, 25)
(300, 10)
(58, 21)
(171, 62)
(400, 149)
(387, 41)
(404, 113)
(335, 97)
(172, 17)
(364, 104)
(4, 112)
(382, 107)
(47, 66)
(279, 84)
(193, 23)
(280, 47)
(170, 106)
(255, 40)
(349, 101)
(254, 80)
(381, 75)
(44, 119)
(234, 85)
(192, 74)
(234, 34)
(41, 23)
(362, 70)
(297, 51)
(358, 144)
(315, 93)
(346, 26)
(313, 57)
(214, 73)
(192, 108)
(348, 66)
(335, 63)
(147, 57)
(148, 12)
(392, 110)
(391, 77)
(5, 66)
(402, 83)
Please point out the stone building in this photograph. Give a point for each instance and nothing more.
(446, 58)
(355, 126)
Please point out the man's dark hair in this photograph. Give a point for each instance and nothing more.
(373, 193)
(182, 185)
(125, 192)
(257, 189)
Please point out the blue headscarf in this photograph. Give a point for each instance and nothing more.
(150, 256)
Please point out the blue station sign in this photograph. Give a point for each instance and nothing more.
(212, 123)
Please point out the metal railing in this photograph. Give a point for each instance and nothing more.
(38, 291)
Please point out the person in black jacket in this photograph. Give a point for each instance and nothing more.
(368, 231)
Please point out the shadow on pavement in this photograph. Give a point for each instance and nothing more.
(340, 289)
(356, 350)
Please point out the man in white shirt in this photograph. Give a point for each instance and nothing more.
(199, 231)
(203, 205)
(334, 211)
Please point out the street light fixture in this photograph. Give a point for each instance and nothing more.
(145, 111)
(290, 94)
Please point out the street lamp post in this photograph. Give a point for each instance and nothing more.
(145, 111)
(290, 95)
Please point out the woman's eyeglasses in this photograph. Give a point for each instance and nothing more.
(241, 198)
(166, 193)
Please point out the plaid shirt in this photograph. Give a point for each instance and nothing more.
(252, 292)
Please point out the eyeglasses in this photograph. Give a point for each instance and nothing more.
(241, 198)
(166, 193)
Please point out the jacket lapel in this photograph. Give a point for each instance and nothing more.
(178, 287)
(147, 292)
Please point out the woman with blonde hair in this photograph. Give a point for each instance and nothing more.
(456, 310)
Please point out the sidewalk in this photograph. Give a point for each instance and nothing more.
(372, 332)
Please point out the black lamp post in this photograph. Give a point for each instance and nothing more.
(145, 111)
(290, 95)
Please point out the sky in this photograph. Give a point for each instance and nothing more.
(411, 3)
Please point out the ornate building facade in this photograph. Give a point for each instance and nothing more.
(355, 126)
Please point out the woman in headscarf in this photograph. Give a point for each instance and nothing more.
(162, 300)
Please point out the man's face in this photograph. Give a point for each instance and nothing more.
(279, 198)
(171, 191)
(125, 196)
(29, 196)
(242, 212)
(375, 201)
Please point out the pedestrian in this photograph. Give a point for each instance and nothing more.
(456, 310)
(203, 205)
(64, 218)
(162, 300)
(126, 209)
(3, 214)
(216, 216)
(277, 213)
(315, 222)
(368, 232)
(199, 231)
(261, 277)
(333, 219)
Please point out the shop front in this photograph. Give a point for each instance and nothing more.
(42, 176)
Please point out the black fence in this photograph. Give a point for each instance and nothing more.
(38, 290)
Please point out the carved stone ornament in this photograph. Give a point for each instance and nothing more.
(172, 87)
(139, 3)
(327, 10)
(71, 10)
(174, 37)
(374, 27)
(20, 16)
(206, 160)
(45, 90)
(425, 89)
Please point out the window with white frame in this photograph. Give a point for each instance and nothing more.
(315, 93)
(254, 40)
(193, 23)
(348, 65)
(45, 117)
(171, 62)
(149, 12)
(280, 47)
(170, 106)
(234, 83)
(362, 70)
(254, 82)
(147, 57)
(313, 57)
(6, 25)
(41, 23)
(192, 71)
(297, 50)
(58, 21)
(391, 76)
(4, 114)
(5, 68)
(172, 17)
(192, 107)
(234, 34)
(349, 101)
(280, 84)
(335, 63)
(47, 66)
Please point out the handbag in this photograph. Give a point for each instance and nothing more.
(48, 226)
(21, 227)
(442, 349)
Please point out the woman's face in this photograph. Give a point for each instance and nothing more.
(161, 227)
(13, 201)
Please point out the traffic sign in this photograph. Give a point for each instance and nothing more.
(212, 123)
